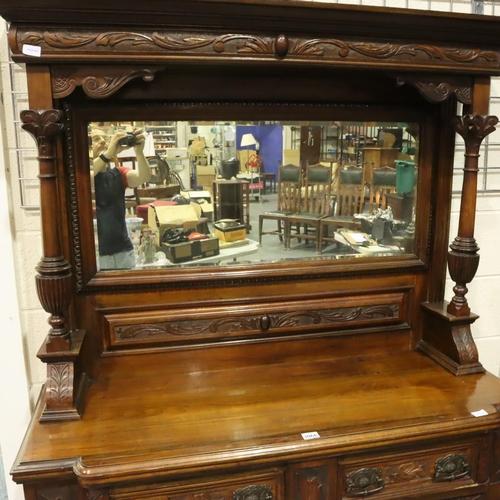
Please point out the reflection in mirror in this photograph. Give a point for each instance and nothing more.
(218, 193)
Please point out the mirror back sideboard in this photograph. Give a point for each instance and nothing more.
(306, 378)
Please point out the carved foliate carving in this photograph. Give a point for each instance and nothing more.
(44, 126)
(467, 349)
(235, 324)
(435, 90)
(409, 472)
(59, 385)
(254, 492)
(473, 129)
(231, 44)
(97, 87)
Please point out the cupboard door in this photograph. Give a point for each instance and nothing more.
(311, 480)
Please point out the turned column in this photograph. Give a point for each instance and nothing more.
(54, 281)
(463, 258)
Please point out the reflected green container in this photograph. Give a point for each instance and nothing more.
(405, 176)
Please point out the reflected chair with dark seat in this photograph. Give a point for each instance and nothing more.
(289, 184)
(316, 204)
(383, 182)
(349, 198)
(351, 191)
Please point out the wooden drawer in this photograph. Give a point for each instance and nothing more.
(265, 486)
(417, 473)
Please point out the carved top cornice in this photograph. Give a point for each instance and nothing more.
(324, 19)
(77, 45)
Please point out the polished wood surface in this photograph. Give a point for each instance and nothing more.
(251, 404)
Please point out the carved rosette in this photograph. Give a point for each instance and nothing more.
(463, 259)
(54, 272)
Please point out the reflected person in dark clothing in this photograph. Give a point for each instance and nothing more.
(110, 180)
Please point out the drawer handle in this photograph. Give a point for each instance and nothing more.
(254, 492)
(364, 482)
(451, 467)
(265, 322)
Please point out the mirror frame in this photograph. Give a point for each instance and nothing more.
(76, 141)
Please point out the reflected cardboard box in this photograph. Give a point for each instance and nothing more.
(205, 175)
(204, 199)
(191, 250)
(228, 230)
(179, 216)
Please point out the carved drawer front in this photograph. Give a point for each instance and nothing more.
(421, 472)
(252, 487)
(215, 323)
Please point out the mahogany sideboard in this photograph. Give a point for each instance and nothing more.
(298, 379)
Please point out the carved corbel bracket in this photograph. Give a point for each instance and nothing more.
(98, 86)
(463, 258)
(448, 339)
(437, 88)
(66, 384)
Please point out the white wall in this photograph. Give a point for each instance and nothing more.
(15, 413)
(21, 373)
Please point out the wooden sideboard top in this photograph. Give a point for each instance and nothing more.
(187, 411)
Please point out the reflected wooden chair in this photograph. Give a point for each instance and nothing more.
(383, 182)
(329, 225)
(350, 197)
(289, 185)
(316, 204)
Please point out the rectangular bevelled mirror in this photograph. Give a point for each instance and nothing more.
(218, 193)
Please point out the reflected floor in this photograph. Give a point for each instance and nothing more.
(272, 248)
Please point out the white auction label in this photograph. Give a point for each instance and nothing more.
(310, 435)
(32, 50)
(479, 413)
